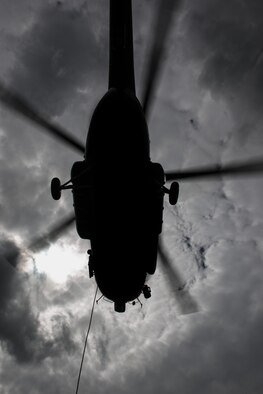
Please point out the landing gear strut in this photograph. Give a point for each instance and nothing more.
(56, 188)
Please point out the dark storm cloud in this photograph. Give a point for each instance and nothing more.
(197, 251)
(182, 234)
(25, 202)
(60, 53)
(227, 37)
(20, 331)
(59, 56)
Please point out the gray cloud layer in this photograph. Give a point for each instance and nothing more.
(21, 333)
(58, 54)
(227, 38)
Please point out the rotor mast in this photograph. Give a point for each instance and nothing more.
(121, 63)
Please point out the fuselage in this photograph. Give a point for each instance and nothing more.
(117, 198)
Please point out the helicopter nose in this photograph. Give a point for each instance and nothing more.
(121, 287)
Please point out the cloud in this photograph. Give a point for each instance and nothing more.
(226, 38)
(218, 350)
(21, 334)
(59, 54)
(59, 58)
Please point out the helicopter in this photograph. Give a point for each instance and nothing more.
(118, 192)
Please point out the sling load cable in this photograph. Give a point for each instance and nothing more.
(86, 339)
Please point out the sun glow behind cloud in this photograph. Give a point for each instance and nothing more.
(59, 262)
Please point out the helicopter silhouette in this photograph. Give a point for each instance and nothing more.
(118, 192)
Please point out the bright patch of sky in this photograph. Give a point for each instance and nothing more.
(60, 262)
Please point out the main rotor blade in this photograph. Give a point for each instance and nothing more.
(38, 243)
(53, 234)
(19, 105)
(185, 301)
(238, 169)
(164, 16)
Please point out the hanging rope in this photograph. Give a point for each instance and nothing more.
(86, 340)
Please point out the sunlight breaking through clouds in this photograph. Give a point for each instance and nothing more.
(60, 262)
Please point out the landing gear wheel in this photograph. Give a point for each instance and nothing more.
(55, 188)
(174, 193)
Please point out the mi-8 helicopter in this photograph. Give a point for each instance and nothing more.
(118, 192)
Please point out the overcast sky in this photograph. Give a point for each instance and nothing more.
(207, 110)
